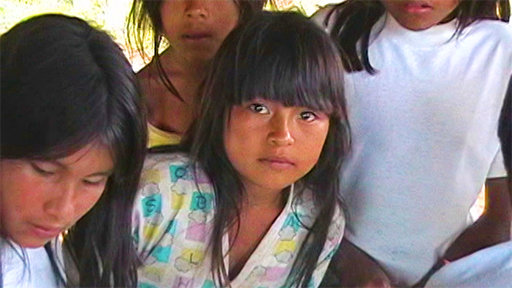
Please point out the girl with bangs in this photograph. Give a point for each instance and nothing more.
(191, 31)
(425, 83)
(73, 140)
(244, 200)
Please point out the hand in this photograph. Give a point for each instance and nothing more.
(352, 267)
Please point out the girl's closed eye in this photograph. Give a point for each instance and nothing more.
(96, 180)
(43, 168)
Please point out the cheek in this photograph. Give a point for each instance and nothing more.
(232, 144)
(85, 203)
(227, 25)
(20, 191)
(241, 139)
(229, 17)
(314, 141)
(452, 7)
(238, 127)
(455, 3)
(168, 17)
(20, 197)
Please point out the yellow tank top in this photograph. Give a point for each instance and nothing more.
(158, 137)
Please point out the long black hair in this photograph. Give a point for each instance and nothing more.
(505, 130)
(284, 57)
(66, 85)
(145, 22)
(354, 19)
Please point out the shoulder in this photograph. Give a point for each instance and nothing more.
(173, 172)
(149, 76)
(491, 37)
(492, 30)
(305, 205)
(325, 17)
(171, 188)
(146, 72)
(161, 162)
(306, 211)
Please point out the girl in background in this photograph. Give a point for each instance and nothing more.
(248, 203)
(73, 139)
(172, 81)
(425, 86)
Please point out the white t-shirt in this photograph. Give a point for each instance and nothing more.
(424, 135)
(490, 267)
(27, 268)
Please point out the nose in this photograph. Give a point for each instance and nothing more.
(280, 133)
(60, 206)
(197, 9)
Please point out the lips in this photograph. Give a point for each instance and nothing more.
(278, 163)
(195, 36)
(417, 7)
(47, 231)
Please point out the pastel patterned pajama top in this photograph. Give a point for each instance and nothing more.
(173, 220)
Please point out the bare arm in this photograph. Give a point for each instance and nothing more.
(490, 229)
(352, 267)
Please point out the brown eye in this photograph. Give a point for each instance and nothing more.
(259, 108)
(308, 116)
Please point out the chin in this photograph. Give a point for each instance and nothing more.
(30, 243)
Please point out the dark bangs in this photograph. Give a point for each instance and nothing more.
(286, 66)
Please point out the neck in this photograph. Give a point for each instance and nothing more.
(257, 197)
(186, 74)
(184, 63)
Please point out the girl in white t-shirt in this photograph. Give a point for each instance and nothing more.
(72, 146)
(254, 202)
(425, 84)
